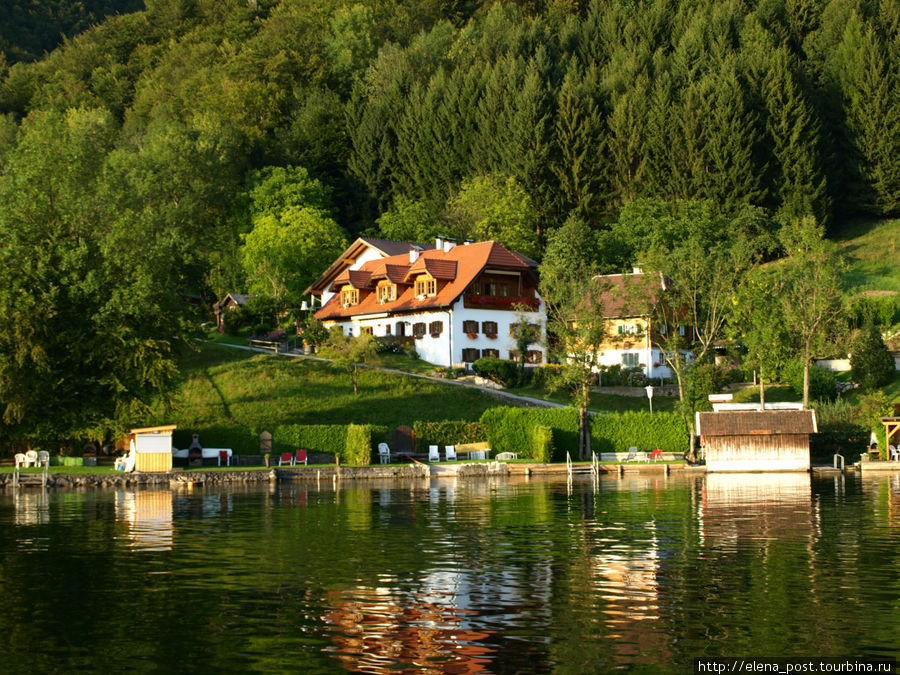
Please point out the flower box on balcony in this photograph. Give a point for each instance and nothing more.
(492, 336)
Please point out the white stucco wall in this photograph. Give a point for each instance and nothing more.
(646, 356)
(504, 319)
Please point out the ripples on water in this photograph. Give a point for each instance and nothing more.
(635, 573)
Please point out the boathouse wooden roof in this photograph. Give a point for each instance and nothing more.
(756, 422)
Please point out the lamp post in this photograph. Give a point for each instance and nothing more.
(649, 390)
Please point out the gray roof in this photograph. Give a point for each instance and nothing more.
(395, 247)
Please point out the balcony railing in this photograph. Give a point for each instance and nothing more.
(497, 302)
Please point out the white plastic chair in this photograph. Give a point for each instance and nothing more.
(43, 458)
(384, 453)
(450, 452)
(434, 454)
(20, 459)
(31, 458)
(632, 454)
(895, 453)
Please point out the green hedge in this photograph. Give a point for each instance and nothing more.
(543, 444)
(515, 430)
(512, 429)
(448, 432)
(345, 441)
(618, 432)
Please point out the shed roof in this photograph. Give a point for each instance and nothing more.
(756, 422)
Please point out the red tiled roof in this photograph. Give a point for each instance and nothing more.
(454, 269)
(625, 295)
(359, 278)
(436, 267)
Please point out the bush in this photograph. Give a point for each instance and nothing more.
(822, 383)
(448, 433)
(336, 439)
(514, 429)
(620, 431)
(870, 361)
(883, 311)
(708, 378)
(358, 446)
(543, 444)
(497, 370)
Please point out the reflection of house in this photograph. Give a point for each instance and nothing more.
(756, 440)
(630, 303)
(455, 303)
(229, 303)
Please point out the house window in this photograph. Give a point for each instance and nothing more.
(367, 330)
(495, 290)
(627, 329)
(427, 287)
(470, 327)
(492, 353)
(534, 356)
(349, 297)
(470, 355)
(436, 328)
(514, 330)
(418, 329)
(387, 329)
(387, 293)
(513, 354)
(489, 327)
(630, 359)
(682, 331)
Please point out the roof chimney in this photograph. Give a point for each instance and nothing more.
(439, 243)
(413, 254)
(448, 244)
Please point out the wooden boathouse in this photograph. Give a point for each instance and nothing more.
(756, 440)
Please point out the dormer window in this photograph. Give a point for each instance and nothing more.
(386, 293)
(349, 297)
(425, 286)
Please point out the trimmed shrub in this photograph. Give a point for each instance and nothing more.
(497, 370)
(334, 439)
(543, 443)
(619, 431)
(317, 438)
(448, 432)
(514, 430)
(358, 446)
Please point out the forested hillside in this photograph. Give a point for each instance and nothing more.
(179, 150)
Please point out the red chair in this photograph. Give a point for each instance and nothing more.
(224, 458)
(300, 458)
(656, 454)
(286, 458)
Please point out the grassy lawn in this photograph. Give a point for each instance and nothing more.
(230, 396)
(871, 250)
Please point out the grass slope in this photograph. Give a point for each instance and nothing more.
(229, 396)
(871, 250)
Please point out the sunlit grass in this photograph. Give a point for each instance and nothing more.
(871, 250)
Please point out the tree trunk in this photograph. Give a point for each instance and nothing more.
(806, 384)
(762, 391)
(584, 435)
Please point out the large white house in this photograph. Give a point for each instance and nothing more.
(456, 303)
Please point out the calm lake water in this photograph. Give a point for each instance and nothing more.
(638, 574)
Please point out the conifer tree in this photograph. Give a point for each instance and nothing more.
(795, 132)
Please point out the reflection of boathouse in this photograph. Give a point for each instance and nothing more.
(756, 440)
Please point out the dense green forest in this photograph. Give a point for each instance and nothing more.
(176, 151)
